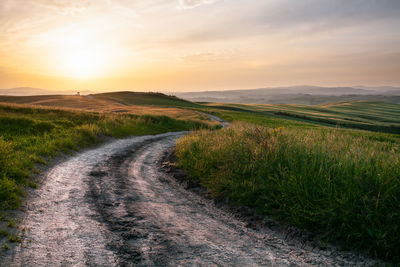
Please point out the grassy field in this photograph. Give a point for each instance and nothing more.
(30, 135)
(371, 116)
(118, 102)
(150, 99)
(340, 183)
(303, 164)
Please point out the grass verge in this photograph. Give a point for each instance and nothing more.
(338, 183)
(31, 135)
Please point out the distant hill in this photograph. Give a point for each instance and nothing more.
(114, 102)
(306, 95)
(25, 91)
(140, 98)
(38, 96)
(31, 91)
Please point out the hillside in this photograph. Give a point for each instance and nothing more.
(114, 98)
(363, 115)
(139, 98)
(116, 102)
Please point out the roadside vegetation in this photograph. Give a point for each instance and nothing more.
(342, 184)
(31, 135)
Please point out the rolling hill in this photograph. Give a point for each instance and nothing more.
(363, 115)
(116, 102)
(139, 98)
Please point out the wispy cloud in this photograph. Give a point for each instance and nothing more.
(217, 56)
(194, 3)
(64, 7)
(294, 18)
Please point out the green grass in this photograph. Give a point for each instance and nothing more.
(124, 98)
(29, 136)
(14, 238)
(342, 184)
(259, 118)
(371, 116)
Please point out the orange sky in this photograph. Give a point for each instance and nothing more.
(170, 45)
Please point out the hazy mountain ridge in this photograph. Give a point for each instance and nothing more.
(303, 94)
(30, 91)
(308, 95)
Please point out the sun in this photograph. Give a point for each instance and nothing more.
(83, 63)
(81, 57)
(79, 52)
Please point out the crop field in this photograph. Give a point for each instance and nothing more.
(372, 116)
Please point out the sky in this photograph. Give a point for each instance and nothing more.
(191, 45)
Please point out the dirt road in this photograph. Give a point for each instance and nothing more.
(113, 206)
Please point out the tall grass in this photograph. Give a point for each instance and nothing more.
(345, 187)
(30, 135)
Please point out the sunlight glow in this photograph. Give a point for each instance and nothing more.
(78, 52)
(82, 64)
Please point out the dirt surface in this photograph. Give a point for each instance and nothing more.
(115, 206)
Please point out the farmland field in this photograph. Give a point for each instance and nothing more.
(372, 116)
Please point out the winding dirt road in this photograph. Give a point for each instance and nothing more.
(114, 206)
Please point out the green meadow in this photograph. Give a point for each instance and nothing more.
(363, 115)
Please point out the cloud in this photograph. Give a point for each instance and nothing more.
(200, 57)
(71, 7)
(286, 13)
(194, 3)
(287, 17)
(219, 56)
